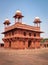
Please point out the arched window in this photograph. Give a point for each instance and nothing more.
(34, 34)
(29, 34)
(24, 33)
(12, 32)
(29, 43)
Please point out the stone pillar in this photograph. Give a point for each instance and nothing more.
(26, 44)
(6, 45)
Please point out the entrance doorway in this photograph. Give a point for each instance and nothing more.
(29, 43)
(9, 43)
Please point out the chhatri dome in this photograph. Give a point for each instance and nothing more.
(18, 12)
(7, 22)
(37, 20)
(18, 15)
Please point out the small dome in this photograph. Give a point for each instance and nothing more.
(18, 12)
(7, 22)
(6, 19)
(37, 20)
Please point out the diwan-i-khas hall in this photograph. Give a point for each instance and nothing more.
(21, 36)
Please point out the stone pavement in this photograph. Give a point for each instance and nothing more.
(24, 57)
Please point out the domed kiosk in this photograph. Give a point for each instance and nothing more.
(7, 22)
(37, 21)
(18, 16)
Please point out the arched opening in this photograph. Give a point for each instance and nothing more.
(47, 45)
(9, 43)
(29, 43)
(24, 33)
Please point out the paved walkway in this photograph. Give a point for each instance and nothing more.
(24, 57)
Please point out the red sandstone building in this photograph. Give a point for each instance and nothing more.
(21, 36)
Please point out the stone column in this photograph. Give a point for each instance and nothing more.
(26, 44)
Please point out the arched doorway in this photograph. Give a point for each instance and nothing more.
(29, 43)
(9, 43)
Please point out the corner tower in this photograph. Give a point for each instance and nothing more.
(18, 16)
(6, 22)
(37, 22)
